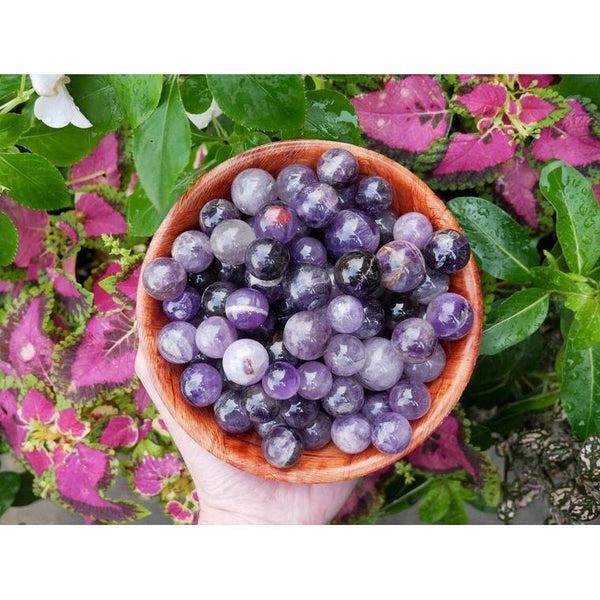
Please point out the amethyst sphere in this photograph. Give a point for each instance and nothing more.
(247, 308)
(201, 384)
(345, 397)
(192, 249)
(309, 251)
(318, 434)
(351, 434)
(374, 195)
(245, 362)
(307, 286)
(230, 414)
(215, 296)
(351, 230)
(282, 447)
(291, 180)
(214, 335)
(184, 307)
(373, 319)
(345, 314)
(281, 380)
(429, 369)
(414, 340)
(271, 289)
(382, 368)
(306, 334)
(261, 407)
(391, 433)
(402, 266)
(276, 221)
(230, 239)
(344, 355)
(434, 284)
(375, 405)
(447, 251)
(176, 342)
(215, 212)
(413, 227)
(450, 315)
(357, 273)
(299, 413)
(315, 380)
(317, 204)
(164, 278)
(385, 222)
(347, 195)
(263, 429)
(252, 189)
(337, 167)
(267, 259)
(409, 398)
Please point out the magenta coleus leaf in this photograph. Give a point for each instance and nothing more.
(74, 301)
(72, 231)
(69, 424)
(154, 473)
(538, 81)
(408, 115)
(184, 513)
(572, 139)
(535, 109)
(100, 167)
(482, 100)
(445, 451)
(515, 184)
(127, 283)
(142, 399)
(103, 301)
(468, 159)
(12, 426)
(39, 459)
(98, 216)
(80, 480)
(119, 432)
(36, 406)
(23, 342)
(101, 360)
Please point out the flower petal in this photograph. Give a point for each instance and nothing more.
(46, 85)
(202, 120)
(51, 111)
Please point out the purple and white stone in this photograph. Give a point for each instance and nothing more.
(414, 340)
(252, 189)
(345, 397)
(344, 355)
(351, 434)
(351, 230)
(306, 334)
(277, 221)
(281, 380)
(318, 434)
(374, 195)
(247, 308)
(450, 315)
(214, 335)
(317, 204)
(315, 380)
(309, 251)
(261, 407)
(230, 414)
(184, 307)
(413, 227)
(176, 343)
(215, 212)
(373, 319)
(201, 384)
(245, 362)
(410, 398)
(402, 266)
(375, 405)
(230, 239)
(263, 429)
(307, 286)
(345, 313)
(192, 250)
(164, 278)
(382, 368)
(337, 167)
(428, 370)
(282, 447)
(271, 289)
(299, 413)
(291, 180)
(391, 433)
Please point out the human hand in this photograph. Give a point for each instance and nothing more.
(230, 496)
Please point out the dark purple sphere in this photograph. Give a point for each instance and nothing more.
(282, 447)
(410, 398)
(272, 290)
(309, 251)
(261, 407)
(375, 405)
(229, 272)
(200, 281)
(337, 167)
(373, 319)
(201, 384)
(351, 230)
(434, 284)
(347, 195)
(450, 316)
(291, 180)
(276, 221)
(357, 273)
(299, 413)
(374, 195)
(345, 397)
(230, 414)
(317, 204)
(277, 351)
(215, 296)
(307, 286)
(318, 434)
(267, 258)
(447, 251)
(263, 429)
(216, 211)
(281, 381)
(385, 221)
(184, 307)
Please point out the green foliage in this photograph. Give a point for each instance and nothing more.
(12, 125)
(10, 240)
(138, 95)
(98, 100)
(9, 486)
(587, 86)
(195, 95)
(330, 116)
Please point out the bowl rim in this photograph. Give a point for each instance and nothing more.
(232, 451)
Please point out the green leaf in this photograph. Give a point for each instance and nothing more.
(10, 240)
(9, 486)
(516, 319)
(585, 332)
(9, 86)
(138, 95)
(12, 125)
(143, 219)
(577, 214)
(98, 101)
(268, 102)
(509, 417)
(25, 494)
(435, 503)
(161, 146)
(195, 95)
(243, 139)
(580, 389)
(552, 279)
(330, 116)
(62, 147)
(581, 85)
(504, 248)
(33, 181)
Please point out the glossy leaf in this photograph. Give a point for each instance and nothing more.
(97, 99)
(330, 116)
(435, 503)
(10, 240)
(9, 486)
(577, 214)
(587, 86)
(552, 279)
(12, 125)
(25, 494)
(161, 146)
(9, 86)
(143, 219)
(585, 331)
(268, 102)
(195, 94)
(504, 248)
(33, 181)
(138, 95)
(517, 318)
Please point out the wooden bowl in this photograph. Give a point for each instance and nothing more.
(244, 452)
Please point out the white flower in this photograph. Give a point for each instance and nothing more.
(202, 120)
(55, 106)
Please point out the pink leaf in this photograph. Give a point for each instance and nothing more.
(80, 480)
(69, 424)
(515, 184)
(99, 216)
(470, 159)
(540, 81)
(23, 343)
(12, 426)
(39, 460)
(483, 100)
(104, 301)
(127, 286)
(571, 139)
(98, 362)
(73, 299)
(100, 167)
(180, 514)
(142, 399)
(535, 109)
(408, 114)
(71, 233)
(153, 473)
(120, 432)
(444, 450)
(36, 405)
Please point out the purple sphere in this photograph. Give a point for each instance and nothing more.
(344, 355)
(230, 240)
(164, 278)
(230, 414)
(276, 221)
(402, 266)
(271, 289)
(263, 429)
(410, 398)
(282, 447)
(373, 319)
(434, 284)
(337, 167)
(383, 366)
(374, 195)
(245, 362)
(450, 315)
(247, 308)
(317, 204)
(315, 380)
(375, 405)
(192, 250)
(306, 334)
(215, 296)
(385, 222)
(201, 384)
(318, 434)
(309, 251)
(307, 286)
(391, 433)
(176, 342)
(351, 230)
(215, 212)
(267, 259)
(447, 251)
(261, 407)
(346, 397)
(299, 413)
(184, 307)
(351, 434)
(413, 227)
(428, 370)
(347, 196)
(345, 314)
(414, 340)
(252, 189)
(281, 381)
(214, 335)
(291, 180)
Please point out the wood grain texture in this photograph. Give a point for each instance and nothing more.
(244, 452)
